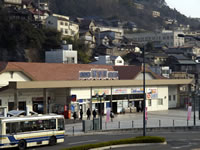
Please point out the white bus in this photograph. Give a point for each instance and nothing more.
(30, 131)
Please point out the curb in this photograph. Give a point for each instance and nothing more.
(127, 145)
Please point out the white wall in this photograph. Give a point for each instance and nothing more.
(162, 94)
(5, 77)
(81, 93)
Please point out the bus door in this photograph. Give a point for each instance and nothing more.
(52, 126)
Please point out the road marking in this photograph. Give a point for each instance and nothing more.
(82, 142)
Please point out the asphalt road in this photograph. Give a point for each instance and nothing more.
(175, 140)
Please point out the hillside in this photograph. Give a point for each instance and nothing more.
(122, 10)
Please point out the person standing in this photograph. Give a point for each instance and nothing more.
(74, 115)
(111, 116)
(94, 114)
(81, 114)
(88, 114)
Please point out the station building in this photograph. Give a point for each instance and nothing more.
(54, 87)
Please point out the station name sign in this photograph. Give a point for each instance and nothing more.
(98, 74)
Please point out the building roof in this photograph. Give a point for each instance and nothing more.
(61, 72)
(50, 71)
(131, 72)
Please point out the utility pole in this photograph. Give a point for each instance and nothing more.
(144, 95)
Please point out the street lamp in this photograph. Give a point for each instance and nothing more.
(100, 96)
(144, 94)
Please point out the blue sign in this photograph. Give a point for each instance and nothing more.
(98, 74)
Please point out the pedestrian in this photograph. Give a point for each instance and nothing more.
(81, 114)
(88, 114)
(111, 116)
(94, 114)
(74, 115)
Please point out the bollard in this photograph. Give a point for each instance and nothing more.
(173, 123)
(132, 124)
(73, 130)
(159, 123)
(119, 125)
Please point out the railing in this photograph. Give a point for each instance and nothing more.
(77, 129)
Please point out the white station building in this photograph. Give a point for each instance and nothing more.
(53, 87)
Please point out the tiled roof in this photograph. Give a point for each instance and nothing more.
(60, 72)
(131, 72)
(50, 71)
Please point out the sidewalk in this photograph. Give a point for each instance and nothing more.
(167, 118)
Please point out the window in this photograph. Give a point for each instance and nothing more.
(10, 106)
(61, 125)
(149, 102)
(52, 124)
(160, 101)
(170, 98)
(174, 97)
(61, 23)
(119, 61)
(12, 128)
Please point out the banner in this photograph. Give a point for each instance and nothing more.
(189, 112)
(107, 114)
(146, 118)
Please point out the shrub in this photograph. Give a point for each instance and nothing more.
(141, 139)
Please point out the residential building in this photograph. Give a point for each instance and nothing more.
(63, 25)
(155, 14)
(167, 37)
(88, 37)
(139, 6)
(109, 60)
(10, 3)
(66, 55)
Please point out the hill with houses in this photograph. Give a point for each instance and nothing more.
(155, 12)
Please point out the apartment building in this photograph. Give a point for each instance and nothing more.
(166, 37)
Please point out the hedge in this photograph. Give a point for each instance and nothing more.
(141, 139)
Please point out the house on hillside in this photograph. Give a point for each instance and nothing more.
(181, 63)
(88, 37)
(63, 25)
(11, 3)
(109, 60)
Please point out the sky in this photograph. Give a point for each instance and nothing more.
(190, 8)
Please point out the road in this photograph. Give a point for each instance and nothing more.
(175, 140)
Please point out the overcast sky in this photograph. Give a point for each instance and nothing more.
(190, 8)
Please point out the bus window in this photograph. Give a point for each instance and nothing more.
(61, 125)
(12, 128)
(52, 123)
(46, 124)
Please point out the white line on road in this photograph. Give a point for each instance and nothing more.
(82, 142)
